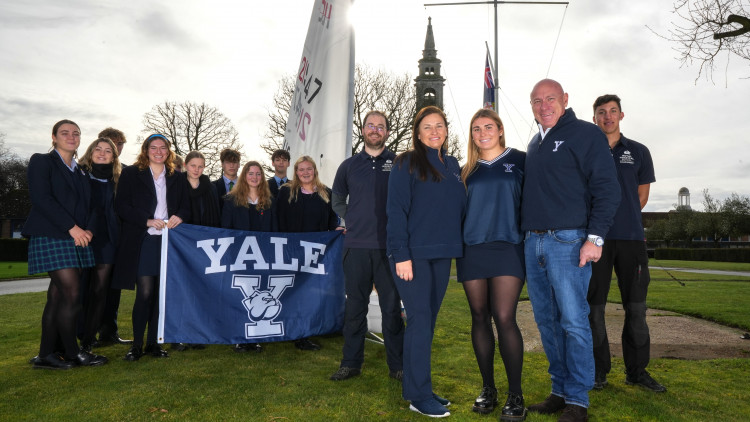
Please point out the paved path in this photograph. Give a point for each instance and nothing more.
(715, 272)
(24, 286)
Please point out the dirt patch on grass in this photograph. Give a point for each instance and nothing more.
(673, 335)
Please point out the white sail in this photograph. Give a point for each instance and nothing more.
(320, 118)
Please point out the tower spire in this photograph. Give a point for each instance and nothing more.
(429, 84)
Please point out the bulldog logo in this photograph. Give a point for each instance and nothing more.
(262, 306)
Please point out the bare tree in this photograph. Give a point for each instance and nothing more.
(374, 89)
(14, 188)
(706, 28)
(193, 127)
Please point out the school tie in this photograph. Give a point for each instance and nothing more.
(231, 185)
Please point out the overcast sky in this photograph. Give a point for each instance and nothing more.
(107, 63)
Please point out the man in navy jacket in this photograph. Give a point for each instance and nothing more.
(570, 196)
(625, 250)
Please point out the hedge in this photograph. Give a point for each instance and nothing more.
(718, 255)
(14, 250)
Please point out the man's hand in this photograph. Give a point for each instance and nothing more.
(589, 252)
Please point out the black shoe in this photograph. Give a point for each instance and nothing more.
(179, 347)
(112, 339)
(248, 347)
(552, 404)
(306, 344)
(133, 354)
(514, 409)
(53, 361)
(397, 375)
(35, 359)
(486, 401)
(573, 413)
(85, 358)
(156, 351)
(198, 346)
(644, 380)
(345, 373)
(600, 381)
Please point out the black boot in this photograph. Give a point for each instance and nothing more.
(514, 409)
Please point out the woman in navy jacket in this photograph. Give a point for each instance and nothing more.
(492, 269)
(59, 236)
(250, 206)
(103, 165)
(426, 201)
(150, 197)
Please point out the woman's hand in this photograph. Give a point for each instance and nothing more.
(80, 237)
(156, 223)
(173, 222)
(404, 271)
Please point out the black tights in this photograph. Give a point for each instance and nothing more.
(496, 298)
(60, 312)
(96, 301)
(146, 309)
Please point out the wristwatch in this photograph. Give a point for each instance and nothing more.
(596, 240)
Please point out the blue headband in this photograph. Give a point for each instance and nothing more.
(157, 135)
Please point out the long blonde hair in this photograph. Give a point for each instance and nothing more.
(472, 155)
(295, 185)
(241, 190)
(86, 160)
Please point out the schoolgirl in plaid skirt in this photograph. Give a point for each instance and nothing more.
(59, 235)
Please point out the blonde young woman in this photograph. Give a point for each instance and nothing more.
(103, 164)
(492, 269)
(304, 205)
(204, 200)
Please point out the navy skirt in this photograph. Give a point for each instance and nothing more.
(149, 263)
(50, 254)
(491, 259)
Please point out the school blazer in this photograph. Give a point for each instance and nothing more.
(54, 195)
(135, 204)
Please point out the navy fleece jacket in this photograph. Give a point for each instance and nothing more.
(424, 217)
(570, 182)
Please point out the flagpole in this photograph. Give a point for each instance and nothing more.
(493, 66)
(495, 3)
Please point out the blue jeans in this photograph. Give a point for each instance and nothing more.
(557, 288)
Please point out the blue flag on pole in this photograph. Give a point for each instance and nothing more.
(489, 85)
(222, 286)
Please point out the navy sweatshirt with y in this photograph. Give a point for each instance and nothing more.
(570, 182)
(424, 217)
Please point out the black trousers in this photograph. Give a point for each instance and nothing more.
(630, 262)
(364, 268)
(109, 318)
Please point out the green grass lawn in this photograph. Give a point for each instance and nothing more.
(12, 270)
(284, 384)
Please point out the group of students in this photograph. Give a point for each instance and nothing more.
(96, 225)
(411, 215)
